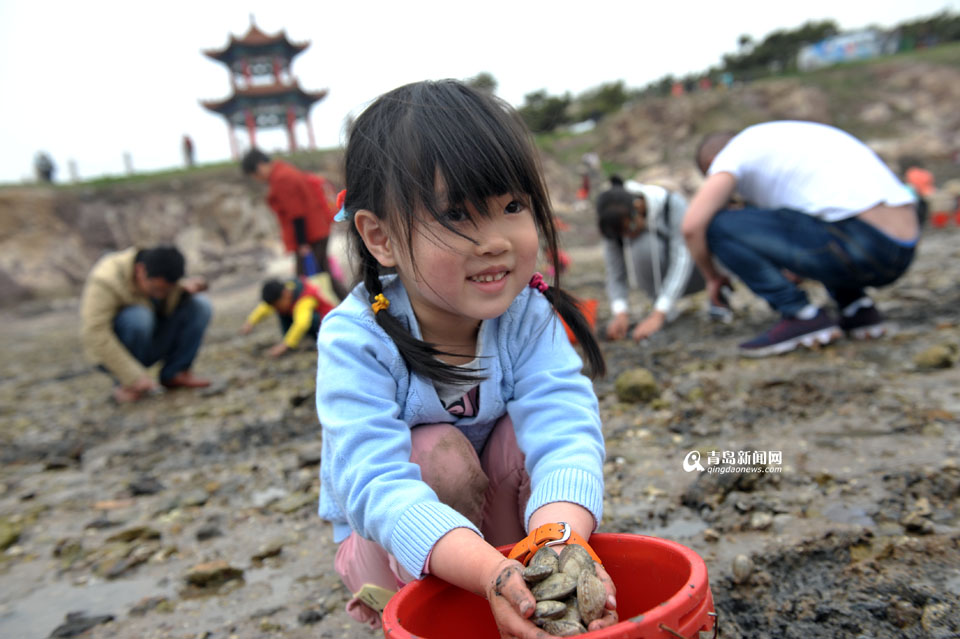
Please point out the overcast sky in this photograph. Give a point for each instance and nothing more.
(89, 81)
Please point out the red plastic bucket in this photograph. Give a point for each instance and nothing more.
(662, 593)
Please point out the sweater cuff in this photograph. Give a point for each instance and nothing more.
(664, 304)
(419, 529)
(570, 484)
(619, 306)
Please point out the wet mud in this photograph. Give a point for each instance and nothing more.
(193, 514)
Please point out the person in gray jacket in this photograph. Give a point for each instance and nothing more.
(641, 226)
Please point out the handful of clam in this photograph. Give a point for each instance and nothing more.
(568, 592)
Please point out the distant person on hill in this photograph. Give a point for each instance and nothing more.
(297, 198)
(187, 145)
(821, 206)
(640, 224)
(138, 309)
(300, 306)
(44, 167)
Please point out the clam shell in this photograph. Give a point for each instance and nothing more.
(548, 609)
(574, 558)
(545, 557)
(591, 597)
(556, 586)
(536, 574)
(563, 628)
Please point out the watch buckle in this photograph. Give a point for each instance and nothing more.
(564, 538)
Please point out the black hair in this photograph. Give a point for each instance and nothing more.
(613, 207)
(476, 146)
(710, 146)
(253, 159)
(162, 261)
(616, 180)
(272, 290)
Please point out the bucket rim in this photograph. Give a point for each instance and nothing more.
(693, 595)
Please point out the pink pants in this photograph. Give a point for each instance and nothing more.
(491, 490)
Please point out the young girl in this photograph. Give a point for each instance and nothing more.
(455, 416)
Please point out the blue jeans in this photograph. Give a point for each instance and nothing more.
(174, 340)
(844, 256)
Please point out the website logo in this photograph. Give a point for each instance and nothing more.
(739, 461)
(692, 462)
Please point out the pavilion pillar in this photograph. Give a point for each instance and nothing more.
(291, 122)
(233, 142)
(251, 127)
(313, 142)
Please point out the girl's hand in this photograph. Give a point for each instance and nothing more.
(512, 603)
(610, 615)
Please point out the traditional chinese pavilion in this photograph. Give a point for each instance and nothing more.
(265, 92)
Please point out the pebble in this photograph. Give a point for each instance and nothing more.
(742, 567)
(212, 574)
(937, 356)
(266, 497)
(77, 623)
(9, 534)
(761, 520)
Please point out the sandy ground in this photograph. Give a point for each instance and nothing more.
(852, 532)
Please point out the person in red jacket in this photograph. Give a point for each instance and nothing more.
(299, 203)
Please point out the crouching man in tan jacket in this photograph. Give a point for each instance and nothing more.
(136, 310)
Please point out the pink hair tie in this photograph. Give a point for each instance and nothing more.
(537, 282)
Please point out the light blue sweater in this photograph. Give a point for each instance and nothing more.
(368, 401)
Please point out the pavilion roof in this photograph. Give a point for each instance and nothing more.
(264, 95)
(257, 43)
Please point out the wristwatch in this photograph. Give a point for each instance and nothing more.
(548, 535)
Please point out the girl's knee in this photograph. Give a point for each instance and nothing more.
(450, 466)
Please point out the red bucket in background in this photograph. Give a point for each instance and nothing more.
(662, 593)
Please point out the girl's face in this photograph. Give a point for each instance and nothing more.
(454, 283)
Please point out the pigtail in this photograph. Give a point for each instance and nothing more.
(567, 306)
(421, 357)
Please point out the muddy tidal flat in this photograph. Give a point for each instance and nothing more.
(193, 514)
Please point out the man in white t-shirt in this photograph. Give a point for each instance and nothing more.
(820, 205)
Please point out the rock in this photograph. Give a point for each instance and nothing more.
(69, 551)
(136, 533)
(196, 497)
(742, 567)
(311, 616)
(266, 497)
(145, 486)
(213, 574)
(271, 549)
(77, 623)
(939, 619)
(916, 523)
(636, 386)
(9, 534)
(937, 356)
(902, 613)
(147, 604)
(208, 531)
(761, 520)
(709, 534)
(293, 503)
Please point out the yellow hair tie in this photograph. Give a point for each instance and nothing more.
(380, 303)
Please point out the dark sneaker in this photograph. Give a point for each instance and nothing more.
(790, 332)
(866, 323)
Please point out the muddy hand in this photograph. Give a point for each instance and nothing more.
(610, 615)
(512, 603)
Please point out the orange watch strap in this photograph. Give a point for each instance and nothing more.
(548, 535)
